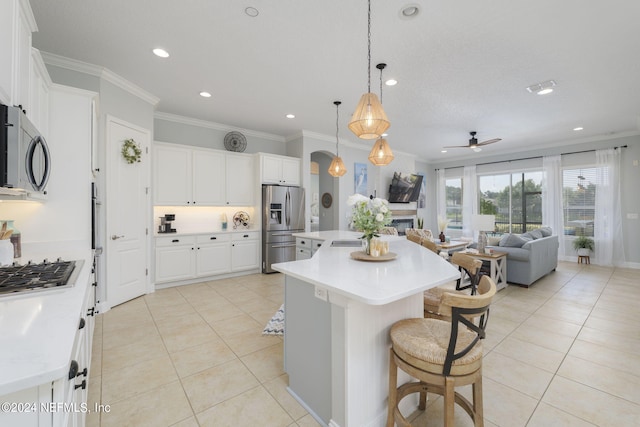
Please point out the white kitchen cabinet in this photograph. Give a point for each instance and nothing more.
(212, 254)
(315, 245)
(40, 87)
(245, 249)
(209, 172)
(276, 169)
(175, 258)
(239, 179)
(185, 176)
(16, 25)
(172, 175)
(306, 248)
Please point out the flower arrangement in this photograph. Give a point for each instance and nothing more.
(369, 216)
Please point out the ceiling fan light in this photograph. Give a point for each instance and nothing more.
(369, 120)
(476, 149)
(381, 154)
(337, 167)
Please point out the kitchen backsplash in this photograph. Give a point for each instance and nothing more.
(192, 219)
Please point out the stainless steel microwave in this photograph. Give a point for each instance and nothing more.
(25, 162)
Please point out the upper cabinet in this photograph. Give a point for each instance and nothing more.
(282, 170)
(185, 176)
(16, 25)
(39, 100)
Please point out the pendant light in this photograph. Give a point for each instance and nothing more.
(337, 167)
(369, 120)
(381, 154)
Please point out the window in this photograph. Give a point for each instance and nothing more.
(453, 188)
(579, 201)
(514, 198)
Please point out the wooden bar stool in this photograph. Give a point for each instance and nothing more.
(433, 297)
(442, 355)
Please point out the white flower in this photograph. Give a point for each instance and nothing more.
(352, 200)
(384, 209)
(380, 217)
(377, 202)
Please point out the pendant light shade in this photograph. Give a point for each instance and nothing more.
(337, 167)
(369, 120)
(381, 154)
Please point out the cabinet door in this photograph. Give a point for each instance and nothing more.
(7, 43)
(208, 178)
(21, 95)
(213, 259)
(240, 180)
(291, 171)
(302, 253)
(271, 170)
(244, 255)
(172, 176)
(175, 263)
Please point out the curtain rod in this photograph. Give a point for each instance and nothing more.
(529, 158)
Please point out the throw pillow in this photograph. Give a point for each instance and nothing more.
(527, 236)
(546, 231)
(493, 240)
(513, 241)
(537, 234)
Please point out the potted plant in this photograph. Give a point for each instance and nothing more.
(583, 245)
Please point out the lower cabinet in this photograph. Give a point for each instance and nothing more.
(189, 257)
(306, 248)
(61, 403)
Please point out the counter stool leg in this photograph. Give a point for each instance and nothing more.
(393, 389)
(449, 401)
(478, 413)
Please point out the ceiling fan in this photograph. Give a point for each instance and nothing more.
(474, 144)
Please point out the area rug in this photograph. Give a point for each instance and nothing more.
(275, 326)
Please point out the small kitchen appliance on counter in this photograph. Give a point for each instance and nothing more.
(165, 224)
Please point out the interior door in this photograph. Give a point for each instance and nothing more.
(127, 206)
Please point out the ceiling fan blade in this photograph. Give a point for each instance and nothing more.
(489, 141)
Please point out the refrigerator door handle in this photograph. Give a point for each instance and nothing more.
(283, 246)
(288, 208)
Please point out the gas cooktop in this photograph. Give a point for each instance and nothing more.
(35, 277)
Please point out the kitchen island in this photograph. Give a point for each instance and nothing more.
(338, 312)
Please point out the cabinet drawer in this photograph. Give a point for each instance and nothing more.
(302, 253)
(249, 235)
(315, 245)
(302, 242)
(213, 238)
(175, 240)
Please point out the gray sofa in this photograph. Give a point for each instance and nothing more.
(530, 262)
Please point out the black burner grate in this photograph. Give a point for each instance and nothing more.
(19, 278)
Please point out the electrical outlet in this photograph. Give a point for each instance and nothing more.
(320, 293)
(635, 163)
(632, 216)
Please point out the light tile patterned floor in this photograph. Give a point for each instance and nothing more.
(565, 352)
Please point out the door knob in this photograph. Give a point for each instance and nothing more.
(114, 237)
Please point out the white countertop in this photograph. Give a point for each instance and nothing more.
(197, 233)
(38, 330)
(375, 283)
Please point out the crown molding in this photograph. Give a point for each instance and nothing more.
(216, 126)
(100, 72)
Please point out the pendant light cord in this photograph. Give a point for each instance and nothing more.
(369, 46)
(381, 68)
(337, 103)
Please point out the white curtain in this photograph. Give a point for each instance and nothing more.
(469, 199)
(609, 239)
(441, 194)
(552, 206)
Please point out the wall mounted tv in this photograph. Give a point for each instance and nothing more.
(404, 188)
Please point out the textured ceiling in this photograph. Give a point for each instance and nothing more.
(461, 65)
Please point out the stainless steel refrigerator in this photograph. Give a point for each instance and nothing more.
(282, 215)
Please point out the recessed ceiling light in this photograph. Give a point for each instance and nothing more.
(205, 94)
(543, 88)
(290, 116)
(160, 52)
(251, 11)
(578, 128)
(443, 151)
(409, 11)
(391, 82)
